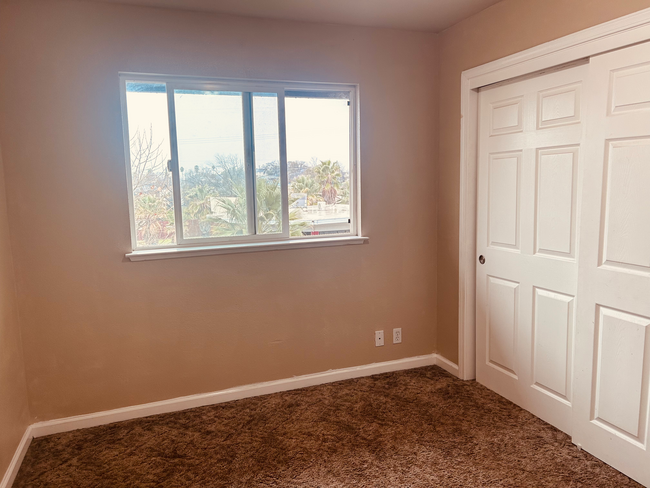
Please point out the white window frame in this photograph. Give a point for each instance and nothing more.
(200, 246)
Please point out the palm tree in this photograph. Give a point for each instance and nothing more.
(196, 208)
(152, 216)
(236, 220)
(329, 176)
(344, 195)
(269, 211)
(307, 185)
(269, 206)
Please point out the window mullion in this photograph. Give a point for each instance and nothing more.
(176, 179)
(354, 170)
(249, 155)
(284, 179)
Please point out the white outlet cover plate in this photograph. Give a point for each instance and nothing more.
(397, 336)
(379, 338)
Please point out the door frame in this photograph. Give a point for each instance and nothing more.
(615, 34)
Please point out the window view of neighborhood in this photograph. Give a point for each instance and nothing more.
(210, 133)
(318, 150)
(153, 200)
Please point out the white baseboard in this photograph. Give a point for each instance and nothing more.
(183, 403)
(16, 461)
(40, 429)
(447, 365)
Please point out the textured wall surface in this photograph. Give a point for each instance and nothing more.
(101, 332)
(14, 411)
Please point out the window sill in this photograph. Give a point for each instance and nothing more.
(186, 252)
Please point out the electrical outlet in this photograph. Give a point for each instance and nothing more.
(397, 336)
(379, 338)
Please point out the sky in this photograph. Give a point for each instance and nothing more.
(211, 122)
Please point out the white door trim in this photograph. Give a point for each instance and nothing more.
(615, 34)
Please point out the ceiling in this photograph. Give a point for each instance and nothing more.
(423, 15)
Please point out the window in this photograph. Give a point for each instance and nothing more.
(212, 162)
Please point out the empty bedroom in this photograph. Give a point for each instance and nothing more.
(324, 243)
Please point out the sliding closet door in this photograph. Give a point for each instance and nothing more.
(530, 149)
(613, 321)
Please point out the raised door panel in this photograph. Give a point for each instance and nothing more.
(558, 106)
(629, 89)
(506, 116)
(626, 226)
(555, 206)
(503, 200)
(552, 339)
(620, 401)
(502, 315)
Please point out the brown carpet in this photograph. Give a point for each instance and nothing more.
(416, 428)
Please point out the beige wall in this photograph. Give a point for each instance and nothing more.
(101, 332)
(14, 412)
(505, 28)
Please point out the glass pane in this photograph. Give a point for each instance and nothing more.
(318, 152)
(153, 202)
(267, 163)
(210, 133)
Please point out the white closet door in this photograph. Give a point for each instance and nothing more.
(530, 137)
(613, 327)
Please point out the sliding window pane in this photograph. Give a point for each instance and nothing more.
(266, 140)
(318, 152)
(210, 134)
(153, 201)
